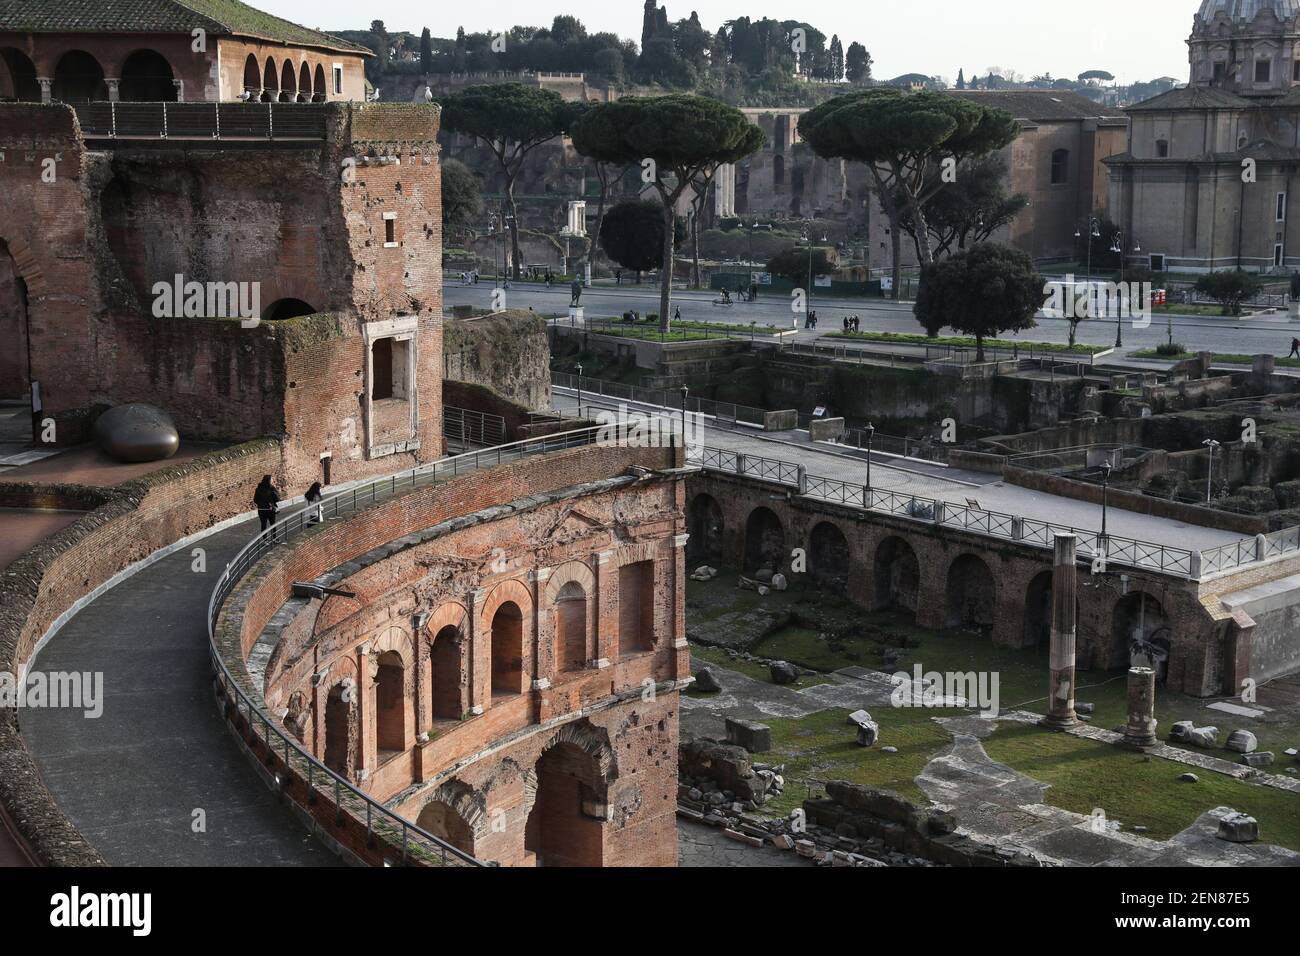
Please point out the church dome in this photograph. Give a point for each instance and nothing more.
(1247, 9)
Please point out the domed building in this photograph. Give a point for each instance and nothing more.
(1207, 179)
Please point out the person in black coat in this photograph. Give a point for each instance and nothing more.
(313, 499)
(267, 501)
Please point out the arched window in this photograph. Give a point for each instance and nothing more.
(318, 86)
(18, 77)
(1162, 149)
(444, 659)
(147, 78)
(288, 83)
(1060, 167)
(778, 170)
(390, 703)
(571, 628)
(252, 77)
(304, 84)
(286, 309)
(79, 78)
(507, 650)
(270, 82)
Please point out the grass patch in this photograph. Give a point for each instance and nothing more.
(822, 747)
(751, 669)
(683, 330)
(1138, 791)
(963, 341)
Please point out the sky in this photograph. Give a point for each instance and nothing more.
(1133, 39)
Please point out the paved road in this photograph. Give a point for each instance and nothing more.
(132, 779)
(1266, 333)
(951, 485)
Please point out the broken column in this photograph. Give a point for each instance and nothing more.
(1140, 732)
(1060, 713)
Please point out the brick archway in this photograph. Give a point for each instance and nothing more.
(971, 594)
(506, 621)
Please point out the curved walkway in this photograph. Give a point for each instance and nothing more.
(134, 779)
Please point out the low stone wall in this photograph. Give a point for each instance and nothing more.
(976, 461)
(785, 420)
(1132, 501)
(826, 429)
(133, 520)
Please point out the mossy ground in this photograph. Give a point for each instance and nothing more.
(1081, 774)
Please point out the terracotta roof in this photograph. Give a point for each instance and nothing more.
(218, 17)
(1041, 105)
(1191, 98)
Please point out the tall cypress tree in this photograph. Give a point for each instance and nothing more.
(426, 52)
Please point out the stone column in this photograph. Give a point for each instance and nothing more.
(671, 572)
(1140, 733)
(1060, 713)
(368, 751)
(46, 84)
(114, 91)
(480, 666)
(603, 644)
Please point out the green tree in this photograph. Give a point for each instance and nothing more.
(426, 52)
(379, 42)
(678, 141)
(800, 264)
(1229, 288)
(961, 78)
(984, 292)
(511, 120)
(632, 234)
(857, 63)
(903, 138)
(462, 198)
(836, 71)
(969, 209)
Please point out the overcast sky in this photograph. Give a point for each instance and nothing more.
(1134, 39)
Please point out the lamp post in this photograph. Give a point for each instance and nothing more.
(1211, 444)
(685, 390)
(870, 430)
(579, 389)
(1094, 231)
(1105, 490)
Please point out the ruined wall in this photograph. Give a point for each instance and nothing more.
(507, 352)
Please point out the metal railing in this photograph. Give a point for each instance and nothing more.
(920, 449)
(467, 427)
(243, 122)
(683, 330)
(666, 398)
(380, 821)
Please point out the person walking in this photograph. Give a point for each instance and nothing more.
(1295, 348)
(267, 501)
(677, 314)
(313, 497)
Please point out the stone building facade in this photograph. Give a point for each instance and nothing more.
(163, 50)
(1206, 180)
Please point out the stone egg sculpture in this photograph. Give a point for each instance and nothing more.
(136, 433)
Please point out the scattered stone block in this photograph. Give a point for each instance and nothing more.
(1238, 828)
(1181, 732)
(1205, 737)
(779, 583)
(806, 848)
(1242, 741)
(858, 718)
(756, 738)
(706, 682)
(868, 733)
(941, 823)
(889, 750)
(1188, 778)
(1084, 709)
(783, 841)
(783, 672)
(1261, 758)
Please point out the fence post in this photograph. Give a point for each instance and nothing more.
(940, 511)
(1017, 529)
(801, 477)
(740, 463)
(1194, 566)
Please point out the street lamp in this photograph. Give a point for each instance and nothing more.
(1094, 232)
(685, 390)
(870, 430)
(1105, 488)
(579, 389)
(1211, 444)
(1118, 246)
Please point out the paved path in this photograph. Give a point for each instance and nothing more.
(700, 845)
(951, 485)
(132, 779)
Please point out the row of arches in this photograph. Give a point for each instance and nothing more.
(285, 83)
(145, 77)
(1139, 624)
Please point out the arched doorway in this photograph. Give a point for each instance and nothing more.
(318, 85)
(390, 705)
(304, 84)
(444, 660)
(270, 82)
(14, 351)
(252, 78)
(287, 309)
(507, 650)
(972, 595)
(340, 725)
(897, 575)
(764, 542)
(446, 824)
(288, 83)
(704, 520)
(828, 558)
(147, 78)
(1038, 611)
(18, 77)
(1140, 634)
(563, 828)
(571, 628)
(79, 79)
